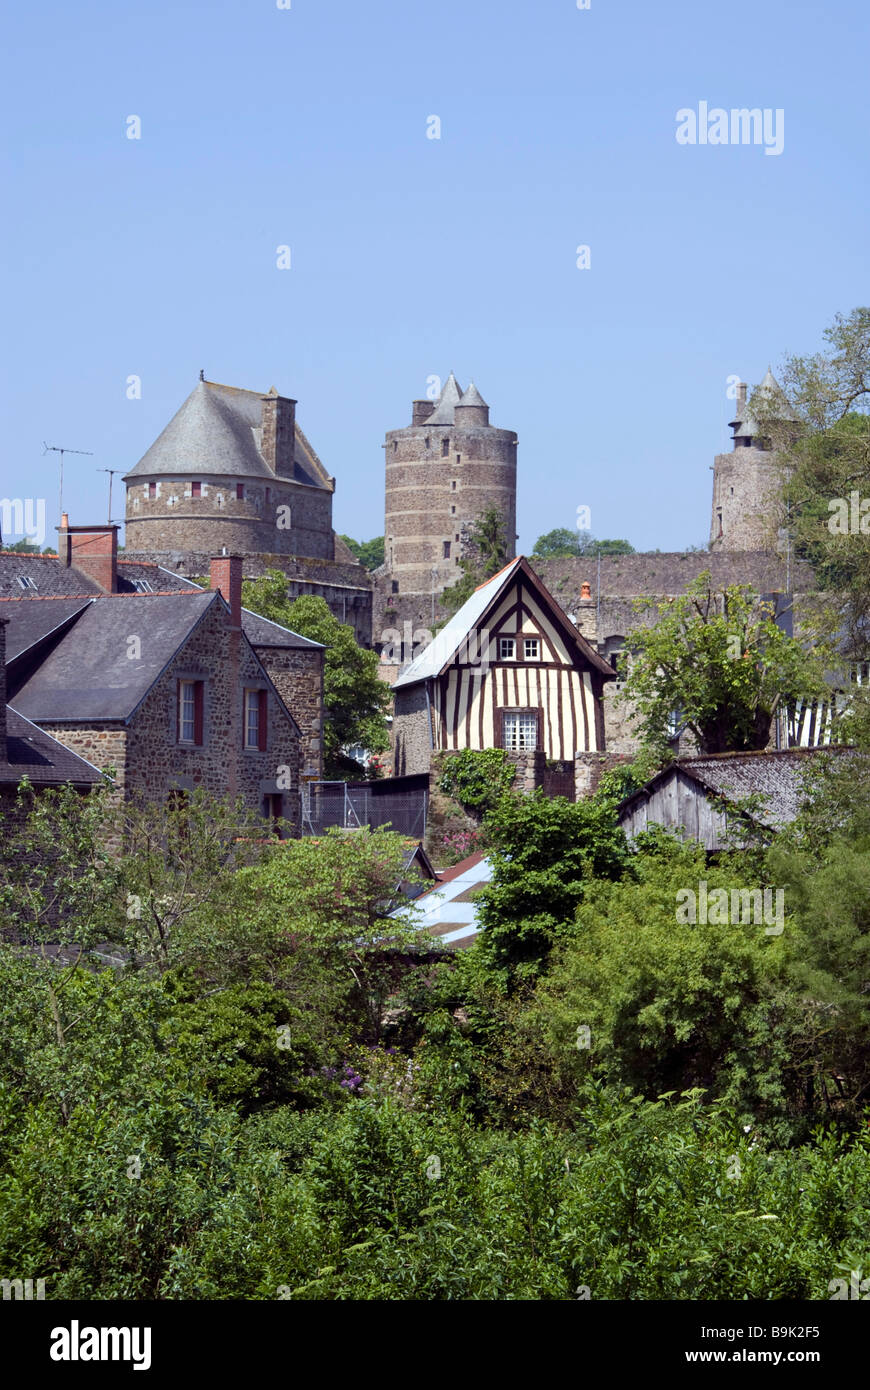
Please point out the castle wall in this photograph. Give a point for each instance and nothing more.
(279, 516)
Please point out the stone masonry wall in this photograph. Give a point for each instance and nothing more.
(176, 520)
(297, 675)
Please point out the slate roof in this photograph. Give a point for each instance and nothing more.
(261, 632)
(446, 643)
(46, 571)
(218, 431)
(777, 776)
(89, 675)
(472, 396)
(770, 394)
(32, 620)
(34, 754)
(451, 394)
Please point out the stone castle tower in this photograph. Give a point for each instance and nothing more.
(747, 483)
(442, 472)
(231, 469)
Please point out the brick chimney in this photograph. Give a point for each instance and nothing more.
(225, 575)
(421, 411)
(92, 550)
(278, 434)
(3, 755)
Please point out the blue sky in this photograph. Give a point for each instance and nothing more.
(306, 127)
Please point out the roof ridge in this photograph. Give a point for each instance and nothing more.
(42, 598)
(31, 555)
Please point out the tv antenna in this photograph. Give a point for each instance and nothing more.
(111, 472)
(55, 449)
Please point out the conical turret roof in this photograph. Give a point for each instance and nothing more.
(450, 397)
(769, 398)
(473, 397)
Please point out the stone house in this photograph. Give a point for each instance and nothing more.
(509, 670)
(165, 686)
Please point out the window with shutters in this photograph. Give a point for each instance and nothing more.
(190, 711)
(255, 719)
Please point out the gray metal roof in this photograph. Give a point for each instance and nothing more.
(218, 431)
(36, 755)
(89, 674)
(450, 397)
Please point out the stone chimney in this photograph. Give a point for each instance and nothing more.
(741, 398)
(92, 550)
(421, 411)
(278, 435)
(3, 754)
(225, 575)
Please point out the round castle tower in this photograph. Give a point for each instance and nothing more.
(442, 472)
(747, 483)
(233, 470)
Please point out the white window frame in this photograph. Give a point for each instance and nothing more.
(507, 649)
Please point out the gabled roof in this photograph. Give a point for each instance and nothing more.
(450, 397)
(89, 674)
(46, 572)
(262, 632)
(218, 431)
(777, 776)
(446, 643)
(447, 910)
(31, 621)
(36, 755)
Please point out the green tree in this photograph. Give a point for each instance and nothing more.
(356, 699)
(824, 453)
(485, 552)
(720, 662)
(562, 544)
(369, 553)
(547, 850)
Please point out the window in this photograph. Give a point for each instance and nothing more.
(446, 550)
(452, 511)
(395, 445)
(240, 492)
(458, 458)
(196, 489)
(255, 719)
(520, 730)
(268, 495)
(190, 702)
(453, 485)
(427, 441)
(530, 648)
(26, 582)
(152, 489)
(142, 586)
(506, 649)
(445, 448)
(273, 810)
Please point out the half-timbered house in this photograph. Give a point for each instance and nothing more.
(509, 670)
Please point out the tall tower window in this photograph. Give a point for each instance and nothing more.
(452, 511)
(196, 489)
(152, 489)
(446, 550)
(240, 492)
(445, 448)
(453, 485)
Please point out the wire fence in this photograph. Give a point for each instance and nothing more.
(352, 805)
